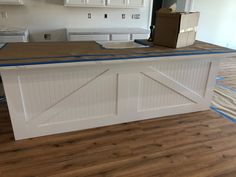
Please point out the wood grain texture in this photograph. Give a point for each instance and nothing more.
(74, 52)
(191, 145)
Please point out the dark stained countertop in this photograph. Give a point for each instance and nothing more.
(21, 54)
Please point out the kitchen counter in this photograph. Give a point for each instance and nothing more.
(29, 54)
(61, 87)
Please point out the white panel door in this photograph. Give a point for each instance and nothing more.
(96, 2)
(75, 2)
(117, 3)
(135, 3)
(13, 2)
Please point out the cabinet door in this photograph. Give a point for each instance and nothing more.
(74, 2)
(11, 2)
(96, 2)
(117, 3)
(135, 3)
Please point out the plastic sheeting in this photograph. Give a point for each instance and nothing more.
(224, 102)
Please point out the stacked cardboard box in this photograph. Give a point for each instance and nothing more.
(176, 29)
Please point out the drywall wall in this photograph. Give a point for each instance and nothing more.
(217, 22)
(50, 16)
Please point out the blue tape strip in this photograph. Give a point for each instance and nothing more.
(223, 114)
(220, 78)
(228, 88)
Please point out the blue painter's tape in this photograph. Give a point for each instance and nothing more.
(104, 59)
(226, 87)
(223, 114)
(220, 78)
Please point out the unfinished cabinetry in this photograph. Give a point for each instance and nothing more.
(116, 3)
(106, 3)
(107, 34)
(135, 3)
(125, 3)
(86, 3)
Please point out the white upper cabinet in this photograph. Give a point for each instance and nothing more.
(87, 3)
(96, 2)
(75, 2)
(116, 3)
(135, 3)
(106, 3)
(11, 2)
(125, 3)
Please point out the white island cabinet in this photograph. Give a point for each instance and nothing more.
(85, 86)
(11, 2)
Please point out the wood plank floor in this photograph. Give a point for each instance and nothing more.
(228, 72)
(191, 145)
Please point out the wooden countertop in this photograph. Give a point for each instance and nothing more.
(28, 54)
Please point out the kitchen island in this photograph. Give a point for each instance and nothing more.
(61, 87)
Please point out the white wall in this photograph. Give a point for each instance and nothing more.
(50, 16)
(217, 22)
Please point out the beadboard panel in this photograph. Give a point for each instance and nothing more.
(154, 95)
(44, 101)
(42, 90)
(194, 76)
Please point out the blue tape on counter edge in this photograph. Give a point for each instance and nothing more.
(94, 55)
(102, 59)
(222, 114)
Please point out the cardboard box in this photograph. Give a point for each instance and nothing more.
(176, 29)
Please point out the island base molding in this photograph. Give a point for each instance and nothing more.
(46, 101)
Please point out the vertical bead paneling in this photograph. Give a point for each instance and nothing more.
(153, 95)
(191, 74)
(96, 100)
(41, 90)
